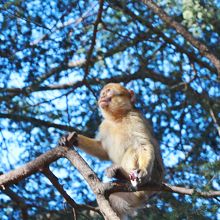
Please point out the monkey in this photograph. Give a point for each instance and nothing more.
(126, 138)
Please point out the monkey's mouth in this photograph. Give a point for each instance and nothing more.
(104, 102)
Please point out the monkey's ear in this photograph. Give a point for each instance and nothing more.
(133, 99)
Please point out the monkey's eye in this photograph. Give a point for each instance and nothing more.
(107, 91)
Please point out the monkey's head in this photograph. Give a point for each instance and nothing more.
(115, 100)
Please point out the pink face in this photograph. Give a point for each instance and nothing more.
(111, 90)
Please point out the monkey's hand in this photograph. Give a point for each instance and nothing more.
(68, 140)
(116, 171)
(139, 177)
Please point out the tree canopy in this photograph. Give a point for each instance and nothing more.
(55, 56)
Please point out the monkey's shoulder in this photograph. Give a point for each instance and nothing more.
(139, 122)
(108, 127)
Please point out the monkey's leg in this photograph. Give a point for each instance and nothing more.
(116, 171)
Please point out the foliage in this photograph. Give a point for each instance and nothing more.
(43, 56)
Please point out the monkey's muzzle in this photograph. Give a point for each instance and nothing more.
(104, 102)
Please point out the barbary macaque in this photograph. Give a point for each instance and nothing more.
(125, 138)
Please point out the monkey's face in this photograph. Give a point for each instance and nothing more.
(106, 97)
(115, 99)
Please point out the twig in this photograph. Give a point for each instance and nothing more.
(89, 55)
(211, 112)
(54, 180)
(16, 15)
(19, 201)
(67, 23)
(214, 120)
(95, 30)
(35, 121)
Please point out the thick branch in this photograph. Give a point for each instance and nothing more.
(93, 181)
(204, 50)
(99, 188)
(45, 159)
(30, 168)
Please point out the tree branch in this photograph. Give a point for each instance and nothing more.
(39, 164)
(31, 167)
(192, 56)
(54, 180)
(37, 122)
(95, 30)
(93, 181)
(101, 190)
(140, 74)
(89, 55)
(204, 50)
(164, 187)
(19, 201)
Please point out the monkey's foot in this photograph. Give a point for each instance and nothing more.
(115, 171)
(111, 171)
(139, 177)
(68, 140)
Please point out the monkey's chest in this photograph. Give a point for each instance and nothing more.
(116, 143)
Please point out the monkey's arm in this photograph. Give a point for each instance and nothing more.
(147, 153)
(92, 147)
(145, 163)
(139, 163)
(89, 145)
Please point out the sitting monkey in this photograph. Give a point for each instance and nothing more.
(125, 138)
